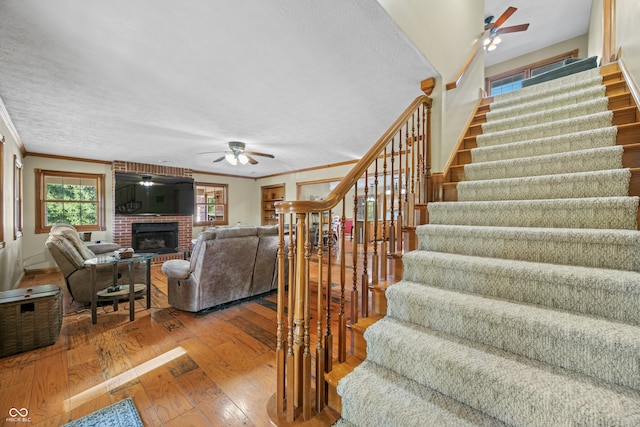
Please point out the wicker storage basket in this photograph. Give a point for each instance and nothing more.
(29, 318)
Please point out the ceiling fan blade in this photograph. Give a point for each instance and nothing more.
(271, 156)
(507, 13)
(219, 159)
(513, 29)
(210, 152)
(251, 159)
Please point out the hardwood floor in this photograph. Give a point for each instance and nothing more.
(180, 369)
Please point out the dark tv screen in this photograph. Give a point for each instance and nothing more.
(146, 194)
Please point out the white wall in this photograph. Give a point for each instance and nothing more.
(426, 22)
(11, 269)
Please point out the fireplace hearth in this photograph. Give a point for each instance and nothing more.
(161, 238)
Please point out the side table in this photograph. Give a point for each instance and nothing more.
(114, 262)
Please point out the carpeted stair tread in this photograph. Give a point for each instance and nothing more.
(516, 390)
(569, 288)
(615, 249)
(607, 183)
(593, 106)
(552, 88)
(602, 137)
(597, 347)
(545, 103)
(398, 401)
(548, 164)
(559, 127)
(592, 212)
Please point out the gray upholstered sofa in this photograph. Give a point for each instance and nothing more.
(227, 264)
(70, 253)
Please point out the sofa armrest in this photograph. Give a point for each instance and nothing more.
(103, 248)
(176, 268)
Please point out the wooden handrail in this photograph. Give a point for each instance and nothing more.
(341, 190)
(465, 66)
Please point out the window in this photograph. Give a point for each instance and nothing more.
(17, 198)
(211, 204)
(71, 198)
(512, 80)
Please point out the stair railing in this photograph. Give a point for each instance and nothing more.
(403, 154)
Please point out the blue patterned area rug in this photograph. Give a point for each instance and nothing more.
(120, 414)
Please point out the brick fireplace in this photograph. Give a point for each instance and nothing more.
(123, 224)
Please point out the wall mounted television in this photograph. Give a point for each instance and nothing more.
(147, 194)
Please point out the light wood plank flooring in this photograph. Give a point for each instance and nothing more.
(181, 369)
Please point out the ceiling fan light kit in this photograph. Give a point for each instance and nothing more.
(494, 28)
(238, 154)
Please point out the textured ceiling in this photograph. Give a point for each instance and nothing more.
(551, 22)
(312, 82)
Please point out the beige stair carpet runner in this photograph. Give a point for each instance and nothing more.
(521, 305)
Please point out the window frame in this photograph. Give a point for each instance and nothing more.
(225, 203)
(527, 69)
(41, 176)
(17, 197)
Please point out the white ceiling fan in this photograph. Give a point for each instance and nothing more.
(238, 154)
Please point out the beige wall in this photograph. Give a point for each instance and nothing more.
(425, 22)
(596, 28)
(11, 269)
(628, 36)
(581, 43)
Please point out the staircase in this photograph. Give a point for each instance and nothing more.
(521, 305)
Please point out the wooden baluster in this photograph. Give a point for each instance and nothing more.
(383, 245)
(306, 355)
(328, 337)
(399, 223)
(354, 258)
(291, 388)
(320, 354)
(374, 258)
(342, 318)
(364, 284)
(427, 161)
(392, 228)
(411, 208)
(280, 340)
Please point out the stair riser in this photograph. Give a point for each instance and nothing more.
(596, 184)
(573, 213)
(561, 127)
(566, 100)
(618, 295)
(529, 332)
(596, 251)
(546, 116)
(572, 162)
(511, 389)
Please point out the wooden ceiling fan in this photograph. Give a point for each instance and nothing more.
(495, 28)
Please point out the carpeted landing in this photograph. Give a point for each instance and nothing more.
(521, 305)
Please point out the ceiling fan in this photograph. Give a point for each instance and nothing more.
(238, 154)
(495, 28)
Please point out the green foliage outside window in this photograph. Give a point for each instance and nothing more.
(71, 200)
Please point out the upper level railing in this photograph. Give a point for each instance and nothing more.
(382, 193)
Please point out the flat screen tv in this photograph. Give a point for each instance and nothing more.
(146, 194)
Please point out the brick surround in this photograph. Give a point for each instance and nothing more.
(122, 223)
